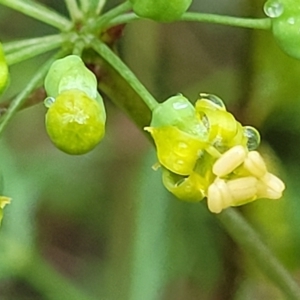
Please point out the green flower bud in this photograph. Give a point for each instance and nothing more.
(75, 122)
(3, 202)
(76, 117)
(4, 74)
(70, 73)
(285, 17)
(161, 10)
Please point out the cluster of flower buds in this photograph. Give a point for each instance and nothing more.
(4, 75)
(75, 120)
(205, 152)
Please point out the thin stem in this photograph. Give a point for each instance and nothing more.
(78, 47)
(18, 102)
(100, 6)
(85, 5)
(49, 282)
(104, 19)
(32, 51)
(39, 12)
(246, 237)
(264, 23)
(123, 19)
(9, 47)
(74, 10)
(115, 62)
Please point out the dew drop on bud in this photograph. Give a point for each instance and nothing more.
(49, 101)
(253, 137)
(214, 99)
(273, 8)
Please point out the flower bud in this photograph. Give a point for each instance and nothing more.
(285, 17)
(75, 122)
(229, 161)
(162, 10)
(4, 74)
(3, 202)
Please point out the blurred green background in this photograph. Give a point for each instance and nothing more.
(102, 226)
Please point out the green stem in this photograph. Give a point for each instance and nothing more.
(49, 282)
(85, 6)
(39, 12)
(17, 45)
(32, 51)
(112, 59)
(18, 102)
(78, 47)
(74, 10)
(123, 19)
(100, 6)
(264, 23)
(246, 237)
(104, 19)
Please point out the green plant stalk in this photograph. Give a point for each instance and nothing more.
(110, 57)
(49, 282)
(84, 5)
(264, 23)
(18, 102)
(74, 11)
(100, 6)
(101, 22)
(32, 51)
(39, 12)
(248, 240)
(9, 47)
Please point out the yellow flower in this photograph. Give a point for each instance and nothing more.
(4, 74)
(3, 202)
(205, 152)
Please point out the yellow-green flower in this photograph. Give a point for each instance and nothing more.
(4, 74)
(3, 202)
(205, 152)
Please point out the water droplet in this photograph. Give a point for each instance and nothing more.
(214, 99)
(273, 8)
(253, 137)
(49, 101)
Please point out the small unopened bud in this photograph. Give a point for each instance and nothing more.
(243, 190)
(222, 194)
(270, 186)
(229, 161)
(218, 196)
(255, 164)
